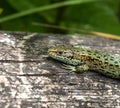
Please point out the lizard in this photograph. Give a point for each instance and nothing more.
(79, 59)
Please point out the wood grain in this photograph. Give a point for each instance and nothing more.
(28, 78)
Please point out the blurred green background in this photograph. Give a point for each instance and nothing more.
(44, 16)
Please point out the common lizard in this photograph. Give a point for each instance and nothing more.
(83, 59)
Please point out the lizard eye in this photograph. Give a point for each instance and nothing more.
(60, 52)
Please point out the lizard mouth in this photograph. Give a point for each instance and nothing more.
(52, 52)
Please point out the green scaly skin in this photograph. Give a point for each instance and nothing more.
(83, 59)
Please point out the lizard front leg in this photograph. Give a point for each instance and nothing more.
(79, 68)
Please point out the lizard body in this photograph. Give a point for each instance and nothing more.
(83, 59)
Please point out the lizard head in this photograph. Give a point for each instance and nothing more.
(62, 53)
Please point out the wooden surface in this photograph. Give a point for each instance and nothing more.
(28, 79)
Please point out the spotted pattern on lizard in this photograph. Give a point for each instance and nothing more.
(83, 59)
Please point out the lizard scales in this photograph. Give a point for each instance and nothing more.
(83, 59)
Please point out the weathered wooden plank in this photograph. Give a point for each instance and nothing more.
(29, 79)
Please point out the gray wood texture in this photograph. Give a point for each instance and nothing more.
(29, 79)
